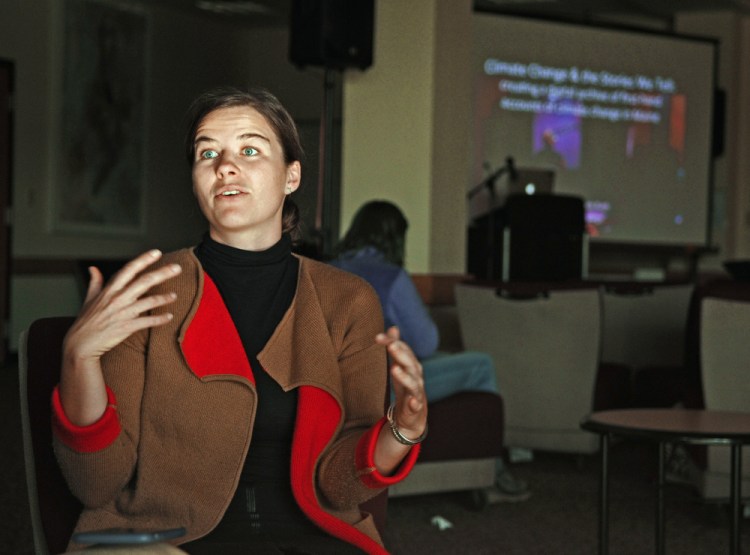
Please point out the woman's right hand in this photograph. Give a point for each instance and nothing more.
(110, 314)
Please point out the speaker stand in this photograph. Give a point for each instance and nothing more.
(325, 202)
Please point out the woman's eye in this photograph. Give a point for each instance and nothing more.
(209, 154)
(249, 151)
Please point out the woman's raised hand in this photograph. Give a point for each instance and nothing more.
(410, 411)
(110, 314)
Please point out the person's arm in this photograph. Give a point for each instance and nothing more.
(410, 406)
(363, 458)
(88, 418)
(110, 314)
(406, 310)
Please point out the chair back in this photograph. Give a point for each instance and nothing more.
(545, 343)
(724, 363)
(645, 324)
(725, 354)
(54, 509)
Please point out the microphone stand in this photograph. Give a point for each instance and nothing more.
(488, 182)
(492, 243)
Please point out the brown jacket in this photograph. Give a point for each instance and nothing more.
(170, 452)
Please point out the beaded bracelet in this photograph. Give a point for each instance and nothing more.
(398, 435)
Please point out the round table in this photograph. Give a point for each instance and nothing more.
(706, 427)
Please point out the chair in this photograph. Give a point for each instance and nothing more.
(545, 341)
(644, 323)
(466, 432)
(724, 363)
(645, 327)
(54, 509)
(462, 447)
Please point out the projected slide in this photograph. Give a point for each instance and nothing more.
(623, 118)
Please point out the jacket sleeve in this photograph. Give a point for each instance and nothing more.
(346, 474)
(99, 460)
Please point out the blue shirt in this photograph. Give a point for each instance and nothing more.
(402, 305)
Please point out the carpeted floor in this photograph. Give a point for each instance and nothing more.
(559, 518)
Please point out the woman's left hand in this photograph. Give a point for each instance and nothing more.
(410, 411)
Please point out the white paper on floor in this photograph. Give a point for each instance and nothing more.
(441, 523)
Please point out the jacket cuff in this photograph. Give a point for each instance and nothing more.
(86, 439)
(365, 460)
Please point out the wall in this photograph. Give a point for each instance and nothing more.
(404, 137)
(404, 128)
(399, 106)
(387, 117)
(188, 54)
(731, 228)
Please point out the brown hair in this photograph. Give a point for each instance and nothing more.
(267, 105)
(379, 224)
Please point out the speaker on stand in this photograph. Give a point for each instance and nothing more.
(335, 35)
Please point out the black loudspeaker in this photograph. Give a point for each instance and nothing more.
(720, 114)
(332, 33)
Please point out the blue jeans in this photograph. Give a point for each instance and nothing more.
(449, 373)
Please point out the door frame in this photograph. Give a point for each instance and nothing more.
(7, 77)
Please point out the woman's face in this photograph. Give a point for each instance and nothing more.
(240, 177)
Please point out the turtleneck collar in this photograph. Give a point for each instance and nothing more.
(232, 256)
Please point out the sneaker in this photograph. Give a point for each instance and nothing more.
(509, 484)
(508, 489)
(496, 495)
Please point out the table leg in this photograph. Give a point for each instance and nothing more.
(736, 496)
(604, 495)
(660, 482)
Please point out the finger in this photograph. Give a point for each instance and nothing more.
(117, 333)
(143, 322)
(392, 334)
(145, 282)
(149, 303)
(402, 355)
(96, 280)
(406, 382)
(128, 272)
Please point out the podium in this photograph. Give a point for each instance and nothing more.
(530, 238)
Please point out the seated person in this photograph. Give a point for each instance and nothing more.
(233, 388)
(373, 248)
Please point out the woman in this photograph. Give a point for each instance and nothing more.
(234, 388)
(373, 248)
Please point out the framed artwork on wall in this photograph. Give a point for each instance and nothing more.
(100, 185)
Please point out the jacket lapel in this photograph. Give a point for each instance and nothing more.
(318, 416)
(211, 344)
(312, 359)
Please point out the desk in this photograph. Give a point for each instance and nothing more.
(705, 427)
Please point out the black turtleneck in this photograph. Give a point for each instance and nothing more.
(257, 288)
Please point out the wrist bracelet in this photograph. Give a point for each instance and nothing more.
(398, 435)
